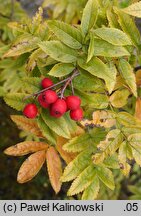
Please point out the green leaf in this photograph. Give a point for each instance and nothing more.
(91, 192)
(122, 157)
(103, 48)
(97, 68)
(106, 176)
(61, 69)
(66, 33)
(25, 43)
(127, 119)
(112, 18)
(133, 9)
(131, 130)
(46, 131)
(72, 125)
(16, 100)
(127, 73)
(59, 51)
(89, 16)
(128, 26)
(88, 83)
(119, 98)
(2, 91)
(75, 167)
(91, 48)
(58, 125)
(112, 162)
(82, 181)
(113, 36)
(84, 141)
(108, 146)
(31, 84)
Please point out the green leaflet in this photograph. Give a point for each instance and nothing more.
(31, 84)
(112, 18)
(82, 181)
(91, 47)
(133, 9)
(91, 192)
(131, 130)
(127, 73)
(108, 146)
(59, 51)
(16, 100)
(122, 157)
(106, 176)
(75, 167)
(89, 16)
(66, 33)
(58, 125)
(87, 82)
(47, 132)
(72, 125)
(97, 68)
(2, 91)
(128, 26)
(84, 141)
(93, 100)
(61, 69)
(112, 162)
(113, 36)
(103, 48)
(25, 43)
(127, 119)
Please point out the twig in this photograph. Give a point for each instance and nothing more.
(76, 73)
(72, 88)
(67, 80)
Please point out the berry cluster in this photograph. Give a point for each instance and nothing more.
(56, 105)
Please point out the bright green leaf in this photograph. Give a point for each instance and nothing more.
(61, 69)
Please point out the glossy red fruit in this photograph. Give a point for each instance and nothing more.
(77, 114)
(50, 96)
(58, 108)
(42, 101)
(30, 111)
(46, 82)
(73, 102)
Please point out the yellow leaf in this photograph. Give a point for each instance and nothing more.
(26, 147)
(31, 166)
(103, 118)
(26, 124)
(119, 98)
(54, 168)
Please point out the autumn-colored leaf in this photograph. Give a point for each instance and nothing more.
(54, 168)
(31, 166)
(138, 109)
(67, 156)
(138, 78)
(26, 147)
(26, 124)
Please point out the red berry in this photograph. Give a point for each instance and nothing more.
(77, 114)
(73, 102)
(46, 82)
(30, 111)
(42, 101)
(50, 96)
(58, 108)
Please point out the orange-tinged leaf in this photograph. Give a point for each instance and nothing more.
(26, 147)
(138, 77)
(54, 168)
(138, 109)
(31, 166)
(26, 124)
(67, 157)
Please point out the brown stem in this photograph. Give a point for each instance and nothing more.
(72, 88)
(76, 73)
